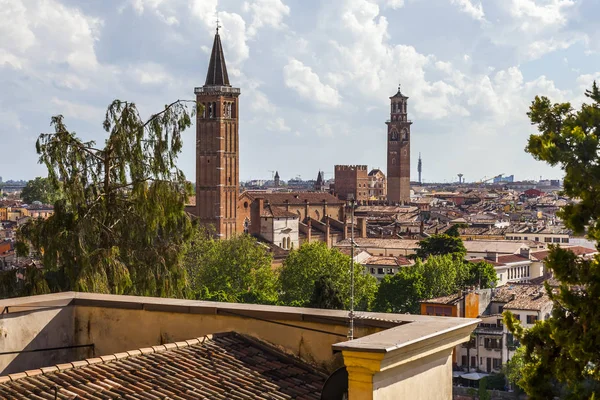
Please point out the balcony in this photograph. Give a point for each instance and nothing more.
(216, 90)
(489, 329)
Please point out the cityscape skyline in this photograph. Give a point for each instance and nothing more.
(315, 80)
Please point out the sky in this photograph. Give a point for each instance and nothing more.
(315, 76)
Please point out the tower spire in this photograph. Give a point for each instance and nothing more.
(217, 70)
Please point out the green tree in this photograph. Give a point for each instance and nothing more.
(454, 230)
(513, 368)
(561, 354)
(120, 226)
(234, 270)
(444, 275)
(40, 189)
(437, 245)
(438, 276)
(401, 292)
(481, 274)
(326, 295)
(305, 265)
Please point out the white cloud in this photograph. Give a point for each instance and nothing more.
(38, 32)
(76, 110)
(266, 13)
(277, 125)
(394, 4)
(535, 14)
(468, 7)
(308, 85)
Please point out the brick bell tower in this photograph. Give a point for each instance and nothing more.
(217, 148)
(398, 151)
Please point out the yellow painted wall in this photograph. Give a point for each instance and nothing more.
(117, 330)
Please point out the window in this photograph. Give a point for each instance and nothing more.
(497, 363)
(429, 310)
(372, 270)
(380, 271)
(464, 360)
(556, 240)
(500, 309)
(531, 319)
(537, 239)
(473, 361)
(565, 240)
(547, 240)
(443, 311)
(518, 317)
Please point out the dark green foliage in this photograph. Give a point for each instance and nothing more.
(401, 292)
(119, 226)
(438, 276)
(305, 265)
(326, 295)
(562, 354)
(482, 275)
(454, 230)
(40, 189)
(235, 270)
(438, 245)
(482, 392)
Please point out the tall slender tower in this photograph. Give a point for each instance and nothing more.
(217, 147)
(398, 150)
(420, 168)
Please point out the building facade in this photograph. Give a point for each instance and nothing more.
(217, 148)
(352, 180)
(377, 185)
(398, 151)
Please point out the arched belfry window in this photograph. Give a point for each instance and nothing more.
(393, 161)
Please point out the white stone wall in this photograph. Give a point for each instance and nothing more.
(282, 232)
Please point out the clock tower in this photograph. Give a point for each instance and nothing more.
(398, 151)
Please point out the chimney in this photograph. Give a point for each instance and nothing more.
(492, 256)
(362, 223)
(287, 205)
(255, 213)
(525, 252)
(306, 209)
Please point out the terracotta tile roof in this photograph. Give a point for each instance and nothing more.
(512, 258)
(277, 212)
(451, 299)
(578, 250)
(221, 366)
(389, 261)
(521, 297)
(381, 243)
(280, 198)
(494, 263)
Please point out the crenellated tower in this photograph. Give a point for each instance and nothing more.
(398, 150)
(217, 147)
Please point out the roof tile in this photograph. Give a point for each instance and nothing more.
(224, 366)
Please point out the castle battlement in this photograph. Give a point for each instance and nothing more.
(350, 167)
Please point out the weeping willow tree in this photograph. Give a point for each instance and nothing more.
(120, 225)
